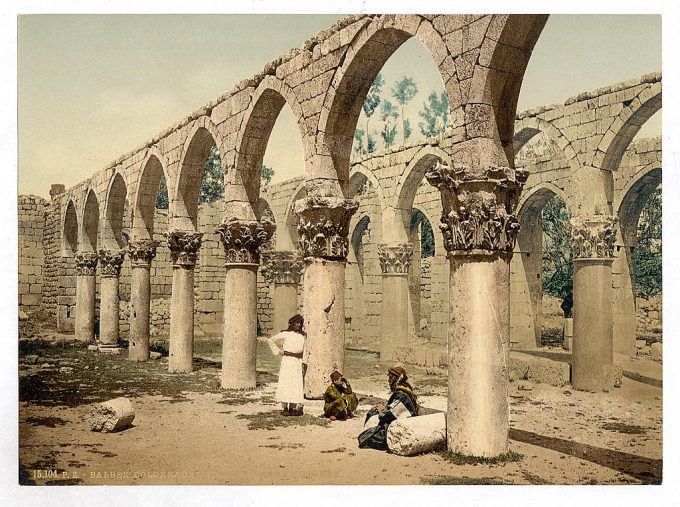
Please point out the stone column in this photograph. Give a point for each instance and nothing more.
(283, 269)
(86, 269)
(479, 229)
(142, 253)
(241, 240)
(593, 348)
(394, 264)
(110, 263)
(323, 227)
(184, 247)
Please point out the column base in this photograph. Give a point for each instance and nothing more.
(109, 349)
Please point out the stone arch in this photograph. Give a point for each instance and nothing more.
(497, 77)
(536, 197)
(201, 138)
(355, 242)
(360, 175)
(529, 127)
(90, 224)
(114, 211)
(623, 129)
(407, 187)
(287, 236)
(258, 121)
(370, 49)
(153, 169)
(69, 237)
(633, 198)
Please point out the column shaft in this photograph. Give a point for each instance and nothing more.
(85, 303)
(324, 312)
(477, 417)
(239, 347)
(109, 312)
(395, 312)
(140, 313)
(182, 320)
(593, 354)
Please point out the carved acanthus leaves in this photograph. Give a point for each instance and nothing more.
(242, 239)
(395, 259)
(142, 251)
(593, 237)
(323, 226)
(110, 262)
(282, 267)
(478, 207)
(184, 246)
(86, 263)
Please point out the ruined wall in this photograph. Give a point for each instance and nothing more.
(31, 218)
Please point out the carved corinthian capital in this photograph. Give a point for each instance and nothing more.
(323, 226)
(242, 239)
(478, 207)
(110, 262)
(282, 267)
(86, 263)
(593, 237)
(184, 247)
(395, 259)
(142, 251)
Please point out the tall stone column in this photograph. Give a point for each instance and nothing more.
(283, 269)
(479, 229)
(323, 227)
(110, 263)
(593, 348)
(142, 253)
(184, 247)
(394, 264)
(86, 269)
(241, 240)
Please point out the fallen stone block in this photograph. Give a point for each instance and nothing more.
(640, 343)
(92, 348)
(656, 350)
(155, 355)
(23, 315)
(416, 435)
(111, 415)
(538, 369)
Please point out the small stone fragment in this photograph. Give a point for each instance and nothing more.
(415, 435)
(111, 415)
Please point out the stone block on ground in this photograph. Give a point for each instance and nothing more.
(640, 344)
(92, 348)
(111, 415)
(23, 315)
(656, 350)
(154, 355)
(538, 369)
(416, 435)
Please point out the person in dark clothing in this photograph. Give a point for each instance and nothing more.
(402, 403)
(340, 402)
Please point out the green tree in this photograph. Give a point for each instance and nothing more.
(388, 114)
(406, 125)
(647, 253)
(418, 218)
(266, 175)
(359, 142)
(371, 103)
(162, 194)
(435, 114)
(403, 91)
(372, 143)
(212, 182)
(557, 261)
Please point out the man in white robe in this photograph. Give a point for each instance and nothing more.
(289, 391)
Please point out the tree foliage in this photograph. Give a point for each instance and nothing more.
(388, 114)
(359, 142)
(162, 194)
(371, 103)
(647, 253)
(435, 114)
(558, 273)
(418, 218)
(403, 92)
(266, 175)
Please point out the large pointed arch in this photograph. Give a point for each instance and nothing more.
(89, 232)
(114, 211)
(69, 236)
(154, 167)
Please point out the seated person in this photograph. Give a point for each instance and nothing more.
(402, 403)
(340, 402)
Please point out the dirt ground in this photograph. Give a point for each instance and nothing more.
(188, 431)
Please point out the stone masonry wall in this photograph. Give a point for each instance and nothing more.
(31, 218)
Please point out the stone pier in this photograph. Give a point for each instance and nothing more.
(479, 229)
(184, 246)
(323, 228)
(593, 347)
(110, 263)
(394, 264)
(86, 269)
(142, 253)
(283, 270)
(241, 240)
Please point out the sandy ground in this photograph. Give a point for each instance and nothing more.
(188, 431)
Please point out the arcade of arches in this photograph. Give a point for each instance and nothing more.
(350, 245)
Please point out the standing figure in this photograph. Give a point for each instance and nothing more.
(339, 401)
(402, 403)
(289, 391)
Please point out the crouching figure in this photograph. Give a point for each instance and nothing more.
(339, 401)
